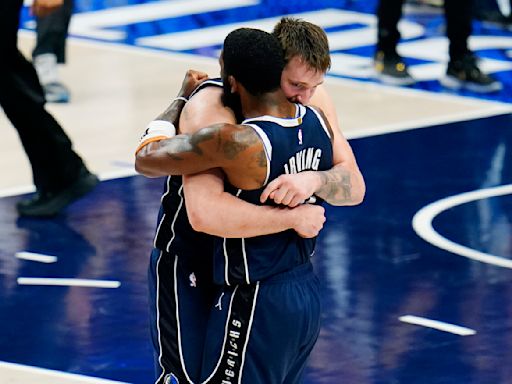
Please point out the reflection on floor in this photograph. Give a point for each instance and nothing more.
(373, 267)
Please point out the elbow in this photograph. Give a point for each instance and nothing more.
(141, 168)
(358, 198)
(198, 220)
(360, 192)
(145, 164)
(202, 220)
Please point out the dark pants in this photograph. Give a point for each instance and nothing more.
(52, 31)
(458, 15)
(54, 163)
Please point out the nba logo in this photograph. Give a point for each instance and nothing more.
(171, 379)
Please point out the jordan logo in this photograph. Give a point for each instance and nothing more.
(193, 280)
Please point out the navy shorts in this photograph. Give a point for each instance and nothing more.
(263, 333)
(180, 302)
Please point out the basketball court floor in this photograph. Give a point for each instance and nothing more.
(416, 281)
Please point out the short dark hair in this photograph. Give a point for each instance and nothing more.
(255, 59)
(305, 40)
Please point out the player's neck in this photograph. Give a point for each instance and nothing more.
(272, 104)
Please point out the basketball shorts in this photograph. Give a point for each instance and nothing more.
(180, 303)
(263, 333)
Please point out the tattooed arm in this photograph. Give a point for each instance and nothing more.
(236, 149)
(343, 184)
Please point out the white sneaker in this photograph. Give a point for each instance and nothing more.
(46, 68)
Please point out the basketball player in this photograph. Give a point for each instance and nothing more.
(180, 272)
(250, 338)
(308, 59)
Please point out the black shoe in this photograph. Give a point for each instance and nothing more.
(391, 69)
(47, 204)
(465, 74)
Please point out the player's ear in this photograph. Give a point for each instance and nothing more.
(233, 84)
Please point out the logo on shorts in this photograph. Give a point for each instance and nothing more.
(171, 379)
(193, 280)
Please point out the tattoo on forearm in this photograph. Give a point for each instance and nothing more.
(180, 145)
(337, 186)
(172, 113)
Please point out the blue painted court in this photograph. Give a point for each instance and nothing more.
(373, 266)
(379, 272)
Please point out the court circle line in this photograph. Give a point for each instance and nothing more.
(422, 224)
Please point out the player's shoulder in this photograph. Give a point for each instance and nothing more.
(204, 109)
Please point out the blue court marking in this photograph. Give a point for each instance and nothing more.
(198, 27)
(373, 267)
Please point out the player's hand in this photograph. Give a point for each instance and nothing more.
(41, 8)
(309, 220)
(291, 190)
(192, 79)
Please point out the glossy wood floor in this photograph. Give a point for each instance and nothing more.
(432, 240)
(127, 87)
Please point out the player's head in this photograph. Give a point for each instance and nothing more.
(253, 59)
(306, 51)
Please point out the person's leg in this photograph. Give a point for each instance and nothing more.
(463, 71)
(54, 163)
(389, 13)
(458, 14)
(59, 174)
(263, 333)
(50, 50)
(52, 31)
(179, 309)
(389, 66)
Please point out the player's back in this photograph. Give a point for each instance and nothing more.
(174, 233)
(292, 146)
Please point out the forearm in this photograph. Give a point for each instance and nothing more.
(213, 211)
(231, 217)
(173, 156)
(341, 185)
(173, 111)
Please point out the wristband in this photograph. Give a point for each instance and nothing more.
(181, 98)
(156, 130)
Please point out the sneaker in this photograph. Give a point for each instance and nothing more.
(465, 74)
(56, 93)
(47, 204)
(391, 69)
(46, 68)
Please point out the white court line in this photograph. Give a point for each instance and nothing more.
(439, 325)
(68, 282)
(36, 257)
(37, 374)
(422, 224)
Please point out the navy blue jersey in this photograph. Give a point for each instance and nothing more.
(292, 146)
(181, 285)
(174, 229)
